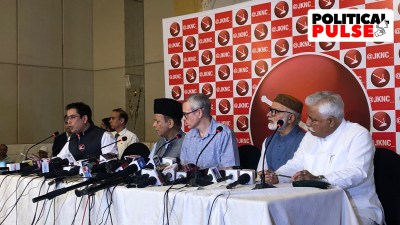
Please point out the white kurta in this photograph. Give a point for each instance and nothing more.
(345, 158)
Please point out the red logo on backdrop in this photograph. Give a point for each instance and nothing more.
(174, 45)
(380, 55)
(242, 88)
(190, 59)
(190, 89)
(242, 52)
(223, 37)
(223, 55)
(176, 92)
(207, 74)
(242, 70)
(326, 45)
(385, 140)
(191, 75)
(326, 4)
(381, 99)
(174, 29)
(206, 40)
(224, 89)
(261, 49)
(207, 90)
(189, 26)
(261, 31)
(241, 35)
(242, 123)
(241, 105)
(261, 68)
(352, 58)
(206, 57)
(381, 121)
(281, 28)
(301, 25)
(190, 43)
(281, 9)
(223, 20)
(260, 13)
(301, 44)
(175, 61)
(227, 120)
(224, 106)
(281, 47)
(175, 76)
(241, 17)
(224, 72)
(206, 23)
(295, 75)
(380, 77)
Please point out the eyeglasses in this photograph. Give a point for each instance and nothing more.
(186, 114)
(275, 111)
(72, 117)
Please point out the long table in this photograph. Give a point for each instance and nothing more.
(211, 205)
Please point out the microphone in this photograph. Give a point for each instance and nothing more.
(262, 176)
(218, 130)
(243, 179)
(173, 139)
(148, 182)
(169, 172)
(55, 134)
(124, 138)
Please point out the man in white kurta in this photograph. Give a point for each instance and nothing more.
(336, 151)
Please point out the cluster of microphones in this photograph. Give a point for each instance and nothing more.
(134, 171)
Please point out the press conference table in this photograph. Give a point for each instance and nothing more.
(242, 206)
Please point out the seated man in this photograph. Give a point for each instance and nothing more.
(87, 139)
(285, 143)
(61, 140)
(336, 151)
(222, 151)
(4, 159)
(118, 121)
(167, 123)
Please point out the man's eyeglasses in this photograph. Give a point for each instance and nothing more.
(72, 117)
(186, 114)
(275, 111)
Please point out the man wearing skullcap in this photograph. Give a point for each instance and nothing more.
(285, 143)
(167, 123)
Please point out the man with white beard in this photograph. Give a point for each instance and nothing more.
(285, 143)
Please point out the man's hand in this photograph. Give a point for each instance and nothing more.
(270, 176)
(304, 175)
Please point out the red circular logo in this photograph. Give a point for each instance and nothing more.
(242, 52)
(301, 25)
(190, 43)
(381, 121)
(224, 72)
(261, 68)
(223, 37)
(352, 58)
(292, 77)
(241, 17)
(206, 23)
(176, 92)
(242, 123)
(174, 29)
(261, 31)
(206, 57)
(175, 61)
(191, 75)
(326, 4)
(281, 9)
(224, 106)
(207, 90)
(326, 45)
(281, 47)
(380, 77)
(242, 88)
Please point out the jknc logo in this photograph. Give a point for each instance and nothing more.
(349, 25)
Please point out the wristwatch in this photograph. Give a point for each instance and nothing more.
(322, 177)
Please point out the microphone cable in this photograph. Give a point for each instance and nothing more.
(16, 202)
(166, 201)
(41, 214)
(84, 211)
(212, 205)
(76, 210)
(37, 204)
(17, 185)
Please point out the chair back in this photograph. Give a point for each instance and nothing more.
(249, 156)
(137, 148)
(387, 183)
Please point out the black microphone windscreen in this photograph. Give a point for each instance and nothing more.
(280, 123)
(178, 136)
(219, 129)
(124, 138)
(244, 178)
(56, 133)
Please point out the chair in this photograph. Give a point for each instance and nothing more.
(387, 183)
(249, 156)
(137, 149)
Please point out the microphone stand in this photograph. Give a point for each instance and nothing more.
(52, 135)
(193, 182)
(264, 185)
